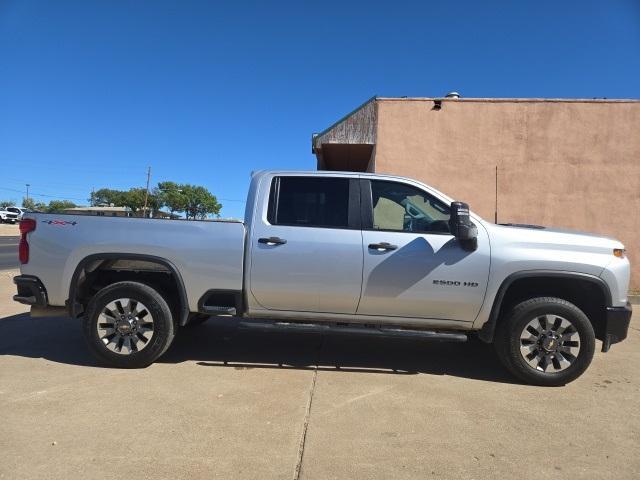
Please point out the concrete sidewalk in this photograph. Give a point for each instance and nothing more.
(9, 230)
(225, 403)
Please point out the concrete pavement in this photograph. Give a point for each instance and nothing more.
(232, 404)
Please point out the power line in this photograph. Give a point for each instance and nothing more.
(31, 194)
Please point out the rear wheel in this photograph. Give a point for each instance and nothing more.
(128, 325)
(545, 341)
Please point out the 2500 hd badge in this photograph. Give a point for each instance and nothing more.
(455, 283)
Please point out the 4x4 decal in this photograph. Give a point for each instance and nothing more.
(59, 222)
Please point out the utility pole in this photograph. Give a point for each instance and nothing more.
(28, 185)
(146, 195)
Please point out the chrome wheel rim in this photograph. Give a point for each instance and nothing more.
(549, 343)
(125, 326)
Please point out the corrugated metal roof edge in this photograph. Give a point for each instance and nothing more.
(343, 118)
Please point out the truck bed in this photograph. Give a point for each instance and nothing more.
(208, 254)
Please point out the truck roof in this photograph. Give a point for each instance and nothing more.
(321, 173)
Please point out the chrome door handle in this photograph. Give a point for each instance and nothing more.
(272, 241)
(382, 246)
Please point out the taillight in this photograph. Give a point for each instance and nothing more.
(23, 250)
(27, 225)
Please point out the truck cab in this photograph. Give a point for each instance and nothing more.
(362, 248)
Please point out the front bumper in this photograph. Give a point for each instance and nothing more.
(616, 325)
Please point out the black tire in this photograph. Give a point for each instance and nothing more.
(507, 340)
(163, 330)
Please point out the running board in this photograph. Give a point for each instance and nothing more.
(352, 330)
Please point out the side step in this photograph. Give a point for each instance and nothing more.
(352, 330)
(213, 310)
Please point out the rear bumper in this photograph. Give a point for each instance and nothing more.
(616, 325)
(30, 291)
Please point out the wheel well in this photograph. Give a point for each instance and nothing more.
(587, 295)
(93, 274)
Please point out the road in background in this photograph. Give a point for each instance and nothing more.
(9, 252)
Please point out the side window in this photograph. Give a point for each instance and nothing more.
(309, 202)
(401, 207)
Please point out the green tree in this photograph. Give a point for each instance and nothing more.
(107, 197)
(196, 201)
(133, 199)
(40, 207)
(155, 201)
(200, 202)
(28, 203)
(7, 203)
(57, 206)
(171, 196)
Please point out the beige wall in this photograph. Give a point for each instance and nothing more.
(562, 164)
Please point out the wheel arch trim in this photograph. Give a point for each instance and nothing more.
(75, 309)
(487, 331)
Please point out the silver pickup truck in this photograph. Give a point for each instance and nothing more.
(333, 252)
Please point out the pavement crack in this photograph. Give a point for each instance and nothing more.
(307, 414)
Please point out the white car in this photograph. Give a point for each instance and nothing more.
(7, 216)
(18, 211)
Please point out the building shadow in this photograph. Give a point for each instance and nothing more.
(222, 344)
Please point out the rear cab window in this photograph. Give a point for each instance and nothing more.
(321, 202)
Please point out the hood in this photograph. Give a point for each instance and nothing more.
(559, 237)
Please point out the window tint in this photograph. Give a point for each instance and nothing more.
(401, 207)
(309, 202)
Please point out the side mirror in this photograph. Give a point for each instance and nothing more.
(461, 226)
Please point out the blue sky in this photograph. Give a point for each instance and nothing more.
(93, 92)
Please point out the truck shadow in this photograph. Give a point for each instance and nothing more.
(222, 344)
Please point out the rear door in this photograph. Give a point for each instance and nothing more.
(307, 250)
(413, 266)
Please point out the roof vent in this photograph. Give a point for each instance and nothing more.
(452, 95)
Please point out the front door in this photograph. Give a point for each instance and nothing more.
(413, 266)
(307, 253)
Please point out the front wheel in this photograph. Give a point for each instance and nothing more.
(545, 341)
(128, 325)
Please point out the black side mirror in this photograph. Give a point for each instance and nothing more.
(461, 226)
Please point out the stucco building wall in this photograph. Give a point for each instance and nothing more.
(561, 163)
